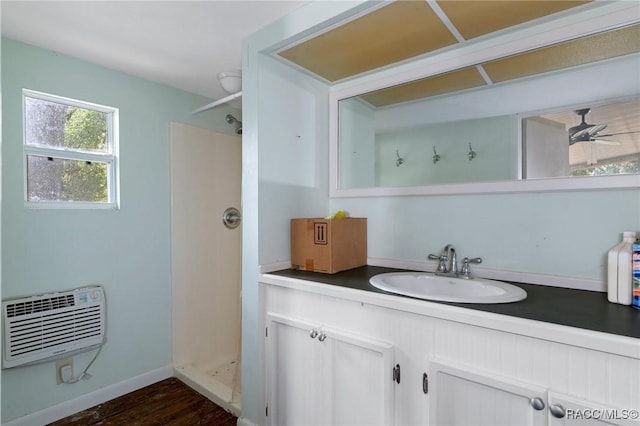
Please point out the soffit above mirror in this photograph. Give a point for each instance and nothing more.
(462, 79)
(405, 29)
(474, 18)
(585, 50)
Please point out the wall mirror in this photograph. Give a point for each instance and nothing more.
(603, 140)
(563, 116)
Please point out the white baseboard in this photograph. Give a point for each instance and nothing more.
(243, 421)
(92, 399)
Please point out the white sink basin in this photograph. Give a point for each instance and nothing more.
(424, 285)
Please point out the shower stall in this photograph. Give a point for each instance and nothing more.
(206, 262)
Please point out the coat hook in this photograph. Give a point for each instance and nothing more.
(472, 154)
(436, 157)
(400, 160)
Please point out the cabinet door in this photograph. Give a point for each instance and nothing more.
(567, 411)
(297, 389)
(461, 397)
(361, 372)
(325, 376)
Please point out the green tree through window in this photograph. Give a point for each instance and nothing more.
(69, 150)
(85, 130)
(622, 167)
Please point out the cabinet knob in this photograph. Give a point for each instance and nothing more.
(557, 410)
(537, 403)
(313, 334)
(322, 337)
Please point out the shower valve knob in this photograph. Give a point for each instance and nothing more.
(313, 334)
(322, 337)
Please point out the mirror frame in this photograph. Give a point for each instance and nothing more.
(602, 17)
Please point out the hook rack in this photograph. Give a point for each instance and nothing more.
(472, 154)
(436, 157)
(399, 160)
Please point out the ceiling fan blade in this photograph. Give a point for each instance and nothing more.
(619, 133)
(580, 133)
(596, 128)
(591, 131)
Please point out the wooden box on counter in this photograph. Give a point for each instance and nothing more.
(328, 245)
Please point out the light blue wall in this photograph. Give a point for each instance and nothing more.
(562, 233)
(127, 251)
(277, 187)
(492, 140)
(357, 134)
(293, 155)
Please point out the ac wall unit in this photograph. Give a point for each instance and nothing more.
(47, 326)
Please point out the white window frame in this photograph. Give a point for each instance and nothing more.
(110, 158)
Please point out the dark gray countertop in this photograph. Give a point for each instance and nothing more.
(575, 308)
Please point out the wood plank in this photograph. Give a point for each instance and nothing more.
(168, 402)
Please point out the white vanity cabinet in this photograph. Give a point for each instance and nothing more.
(565, 410)
(319, 375)
(458, 366)
(463, 397)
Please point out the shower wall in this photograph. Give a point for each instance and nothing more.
(205, 260)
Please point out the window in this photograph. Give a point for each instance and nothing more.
(623, 166)
(598, 139)
(70, 152)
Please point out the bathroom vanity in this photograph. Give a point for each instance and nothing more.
(339, 351)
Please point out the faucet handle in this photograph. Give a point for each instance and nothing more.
(442, 264)
(465, 272)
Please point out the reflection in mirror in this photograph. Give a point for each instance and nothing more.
(435, 123)
(488, 119)
(586, 141)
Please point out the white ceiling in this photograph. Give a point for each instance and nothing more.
(183, 44)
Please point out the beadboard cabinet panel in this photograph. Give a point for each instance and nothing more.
(598, 378)
(297, 391)
(591, 375)
(465, 398)
(565, 410)
(319, 375)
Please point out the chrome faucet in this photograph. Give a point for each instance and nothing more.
(453, 259)
(451, 269)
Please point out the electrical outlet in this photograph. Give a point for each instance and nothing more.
(64, 370)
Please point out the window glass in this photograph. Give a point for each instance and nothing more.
(587, 140)
(69, 149)
(55, 179)
(56, 124)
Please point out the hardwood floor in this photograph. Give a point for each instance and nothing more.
(169, 402)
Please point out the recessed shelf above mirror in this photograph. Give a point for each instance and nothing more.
(474, 98)
(580, 51)
(400, 30)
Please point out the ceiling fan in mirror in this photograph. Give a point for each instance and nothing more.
(585, 132)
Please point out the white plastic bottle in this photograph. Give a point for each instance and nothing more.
(625, 289)
(612, 267)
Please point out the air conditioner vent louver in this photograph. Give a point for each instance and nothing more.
(52, 303)
(43, 327)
